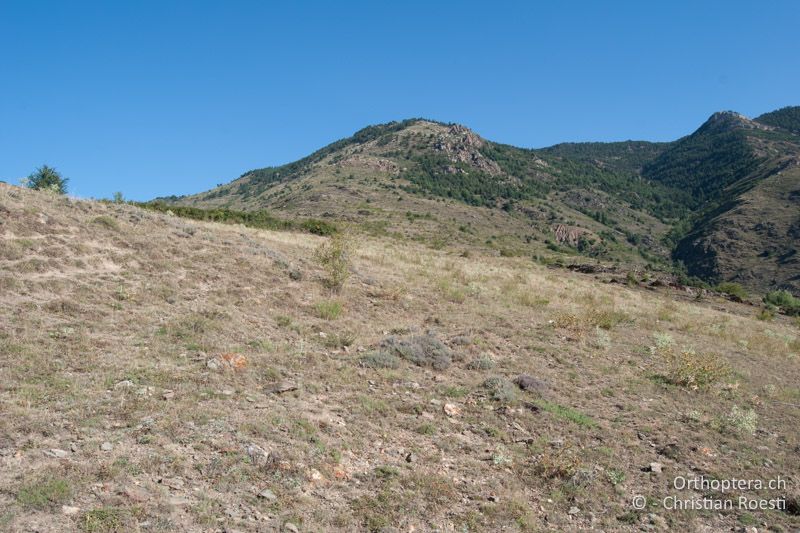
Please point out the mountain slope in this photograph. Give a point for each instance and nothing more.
(164, 374)
(633, 202)
(426, 180)
(787, 118)
(741, 178)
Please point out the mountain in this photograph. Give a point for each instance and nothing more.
(637, 203)
(742, 178)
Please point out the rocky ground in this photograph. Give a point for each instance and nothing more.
(159, 374)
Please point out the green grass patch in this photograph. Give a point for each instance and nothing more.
(44, 493)
(566, 413)
(328, 310)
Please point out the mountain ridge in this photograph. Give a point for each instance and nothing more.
(628, 201)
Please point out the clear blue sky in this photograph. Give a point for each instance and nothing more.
(163, 97)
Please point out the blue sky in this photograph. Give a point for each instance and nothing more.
(167, 97)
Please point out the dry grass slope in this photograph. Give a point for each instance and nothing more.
(158, 374)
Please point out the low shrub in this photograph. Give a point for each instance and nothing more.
(732, 289)
(686, 368)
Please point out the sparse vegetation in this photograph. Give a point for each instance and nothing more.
(566, 413)
(741, 420)
(335, 257)
(328, 309)
(380, 359)
(220, 384)
(44, 492)
(500, 389)
(686, 368)
(733, 289)
(783, 300)
(103, 520)
(47, 178)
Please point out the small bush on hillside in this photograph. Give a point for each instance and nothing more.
(732, 289)
(47, 178)
(335, 257)
(689, 369)
(501, 389)
(483, 362)
(663, 340)
(785, 300)
(767, 314)
(608, 318)
(422, 350)
(558, 463)
(380, 359)
(741, 420)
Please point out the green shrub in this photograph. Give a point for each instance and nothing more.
(47, 178)
(732, 289)
(785, 300)
(335, 256)
(689, 369)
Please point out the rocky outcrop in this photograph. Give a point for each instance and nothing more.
(462, 145)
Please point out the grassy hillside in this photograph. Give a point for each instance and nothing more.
(165, 374)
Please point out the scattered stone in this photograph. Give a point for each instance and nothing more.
(656, 468)
(178, 501)
(658, 521)
(257, 454)
(69, 510)
(671, 451)
(280, 387)
(288, 526)
(228, 392)
(135, 494)
(530, 383)
(451, 409)
(234, 361)
(213, 364)
(124, 384)
(168, 395)
(106, 446)
(57, 453)
(574, 510)
(268, 495)
(411, 458)
(73, 447)
(175, 483)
